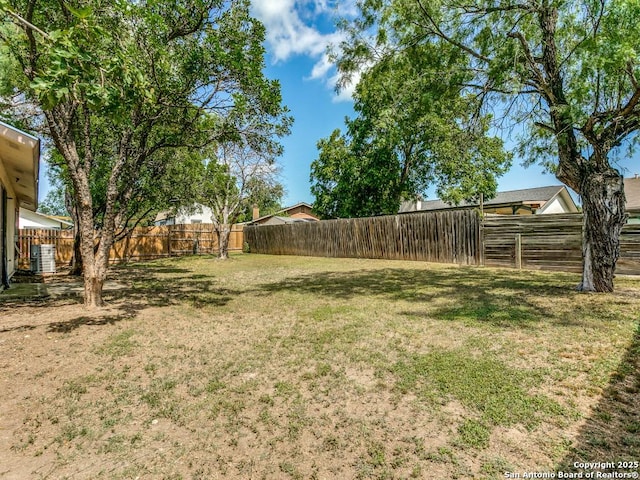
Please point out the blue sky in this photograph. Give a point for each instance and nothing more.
(298, 33)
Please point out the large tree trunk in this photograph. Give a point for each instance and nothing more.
(603, 203)
(94, 274)
(93, 291)
(224, 232)
(76, 259)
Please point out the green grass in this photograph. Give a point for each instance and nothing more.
(289, 367)
(474, 433)
(483, 384)
(119, 344)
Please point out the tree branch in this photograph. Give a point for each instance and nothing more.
(26, 24)
(438, 31)
(533, 64)
(472, 9)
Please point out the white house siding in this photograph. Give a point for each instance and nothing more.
(12, 235)
(202, 214)
(9, 230)
(557, 205)
(29, 219)
(19, 166)
(199, 214)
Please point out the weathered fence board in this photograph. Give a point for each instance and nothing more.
(448, 237)
(142, 243)
(550, 242)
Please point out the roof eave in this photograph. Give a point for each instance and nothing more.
(22, 167)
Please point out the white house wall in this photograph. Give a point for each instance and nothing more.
(12, 237)
(29, 219)
(555, 206)
(10, 233)
(202, 214)
(559, 204)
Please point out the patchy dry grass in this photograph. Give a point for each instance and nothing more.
(289, 367)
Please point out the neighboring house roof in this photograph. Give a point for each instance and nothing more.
(20, 158)
(299, 204)
(298, 212)
(164, 215)
(632, 193)
(62, 218)
(277, 220)
(529, 196)
(29, 219)
(302, 208)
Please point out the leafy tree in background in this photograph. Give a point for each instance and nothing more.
(121, 85)
(414, 128)
(264, 193)
(566, 72)
(235, 178)
(54, 202)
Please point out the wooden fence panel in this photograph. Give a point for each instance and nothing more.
(142, 243)
(550, 242)
(450, 237)
(629, 261)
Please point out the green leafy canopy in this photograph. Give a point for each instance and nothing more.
(415, 127)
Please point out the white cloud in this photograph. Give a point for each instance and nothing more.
(321, 68)
(287, 33)
(290, 32)
(346, 92)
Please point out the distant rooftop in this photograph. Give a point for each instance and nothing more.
(511, 197)
(284, 211)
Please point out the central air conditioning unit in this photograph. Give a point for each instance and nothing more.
(43, 258)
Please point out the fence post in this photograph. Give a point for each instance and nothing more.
(518, 251)
(169, 241)
(481, 238)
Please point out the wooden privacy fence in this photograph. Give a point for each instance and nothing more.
(447, 237)
(142, 243)
(549, 242)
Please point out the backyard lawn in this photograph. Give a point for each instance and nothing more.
(295, 367)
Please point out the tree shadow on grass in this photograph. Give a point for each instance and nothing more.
(18, 328)
(612, 433)
(488, 296)
(145, 268)
(66, 326)
(153, 285)
(154, 292)
(70, 325)
(129, 290)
